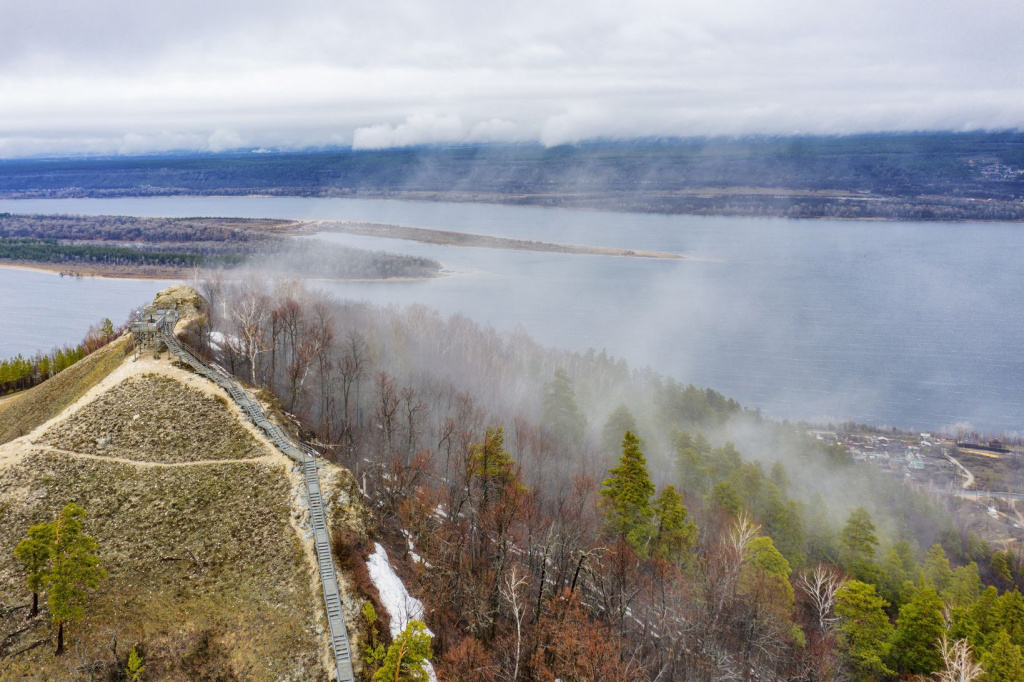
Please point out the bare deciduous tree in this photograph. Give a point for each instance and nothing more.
(958, 663)
(821, 584)
(250, 312)
(513, 592)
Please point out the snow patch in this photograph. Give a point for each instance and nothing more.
(400, 605)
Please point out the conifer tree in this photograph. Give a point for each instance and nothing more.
(135, 667)
(936, 568)
(492, 467)
(691, 462)
(965, 586)
(963, 626)
(407, 656)
(919, 627)
(562, 416)
(74, 569)
(984, 611)
(762, 556)
(676, 534)
(1009, 616)
(1004, 660)
(864, 630)
(859, 539)
(627, 497)
(778, 477)
(725, 496)
(898, 570)
(619, 421)
(1002, 565)
(35, 552)
(373, 650)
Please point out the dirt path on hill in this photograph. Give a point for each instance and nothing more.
(266, 459)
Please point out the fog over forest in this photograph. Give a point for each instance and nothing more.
(512, 342)
(411, 401)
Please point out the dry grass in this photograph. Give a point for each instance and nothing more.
(24, 412)
(204, 570)
(153, 418)
(990, 473)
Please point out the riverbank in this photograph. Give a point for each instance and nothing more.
(105, 271)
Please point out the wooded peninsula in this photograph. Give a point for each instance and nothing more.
(121, 246)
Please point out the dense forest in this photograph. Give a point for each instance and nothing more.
(565, 516)
(933, 176)
(183, 243)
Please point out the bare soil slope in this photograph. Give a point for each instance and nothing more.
(153, 418)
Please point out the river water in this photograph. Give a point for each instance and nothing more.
(910, 324)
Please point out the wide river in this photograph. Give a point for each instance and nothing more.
(910, 324)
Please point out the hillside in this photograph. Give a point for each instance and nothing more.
(200, 523)
(24, 412)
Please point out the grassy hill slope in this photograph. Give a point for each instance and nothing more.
(22, 413)
(208, 571)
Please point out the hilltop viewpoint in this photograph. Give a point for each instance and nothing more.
(202, 527)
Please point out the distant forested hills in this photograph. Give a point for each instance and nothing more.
(934, 176)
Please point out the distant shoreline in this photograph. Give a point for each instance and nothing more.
(105, 272)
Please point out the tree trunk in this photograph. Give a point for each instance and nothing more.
(60, 638)
(35, 605)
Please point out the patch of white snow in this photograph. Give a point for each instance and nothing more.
(401, 606)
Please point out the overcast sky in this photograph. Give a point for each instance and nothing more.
(115, 76)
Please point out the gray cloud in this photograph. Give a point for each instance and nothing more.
(111, 76)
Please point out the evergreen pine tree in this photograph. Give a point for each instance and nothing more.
(864, 630)
(562, 417)
(135, 667)
(898, 571)
(407, 656)
(676, 534)
(984, 611)
(691, 462)
(1004, 660)
(918, 629)
(1009, 616)
(627, 497)
(761, 555)
(965, 586)
(35, 552)
(619, 421)
(373, 650)
(74, 569)
(936, 568)
(858, 539)
(492, 467)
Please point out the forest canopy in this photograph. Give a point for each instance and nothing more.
(566, 516)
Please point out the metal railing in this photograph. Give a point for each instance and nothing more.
(305, 456)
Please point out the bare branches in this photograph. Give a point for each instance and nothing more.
(821, 584)
(958, 663)
(513, 592)
(740, 536)
(250, 313)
